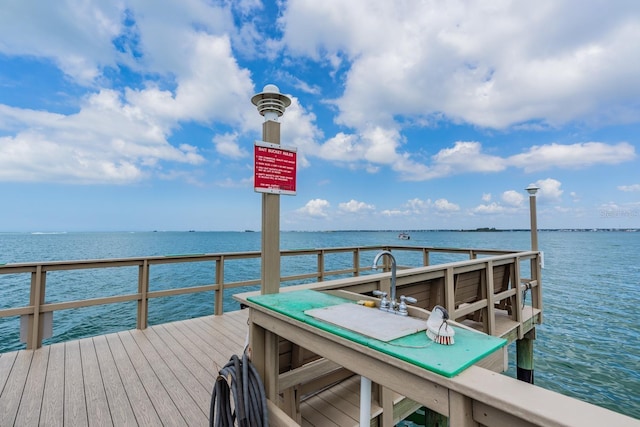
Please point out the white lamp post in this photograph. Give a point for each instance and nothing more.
(532, 189)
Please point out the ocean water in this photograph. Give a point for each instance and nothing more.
(588, 346)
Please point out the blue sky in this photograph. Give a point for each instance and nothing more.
(136, 115)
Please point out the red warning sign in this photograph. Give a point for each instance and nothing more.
(274, 168)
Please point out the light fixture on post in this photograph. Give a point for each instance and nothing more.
(271, 104)
(532, 189)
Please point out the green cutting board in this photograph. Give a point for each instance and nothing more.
(417, 348)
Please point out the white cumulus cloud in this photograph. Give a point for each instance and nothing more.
(629, 188)
(573, 156)
(354, 206)
(315, 208)
(513, 198)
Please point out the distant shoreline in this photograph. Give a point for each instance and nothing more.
(455, 230)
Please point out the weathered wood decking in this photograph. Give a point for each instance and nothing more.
(162, 375)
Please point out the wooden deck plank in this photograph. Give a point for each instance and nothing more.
(228, 331)
(345, 389)
(29, 412)
(328, 409)
(200, 394)
(162, 402)
(75, 408)
(12, 392)
(115, 393)
(201, 351)
(236, 321)
(349, 390)
(313, 418)
(184, 402)
(337, 400)
(97, 406)
(6, 363)
(161, 375)
(141, 404)
(204, 374)
(211, 348)
(52, 411)
(214, 338)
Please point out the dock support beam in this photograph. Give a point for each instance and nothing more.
(524, 355)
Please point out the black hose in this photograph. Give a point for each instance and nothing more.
(240, 379)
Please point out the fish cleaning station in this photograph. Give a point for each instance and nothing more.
(393, 333)
(433, 337)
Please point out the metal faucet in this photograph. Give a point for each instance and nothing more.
(393, 304)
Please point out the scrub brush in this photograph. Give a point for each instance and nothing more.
(438, 330)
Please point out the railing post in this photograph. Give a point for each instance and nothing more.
(536, 274)
(218, 305)
(425, 257)
(143, 301)
(490, 323)
(449, 292)
(321, 265)
(356, 262)
(36, 299)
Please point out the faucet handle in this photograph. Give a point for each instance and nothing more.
(402, 308)
(384, 302)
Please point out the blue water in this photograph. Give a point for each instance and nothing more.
(588, 346)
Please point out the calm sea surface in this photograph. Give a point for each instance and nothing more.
(588, 346)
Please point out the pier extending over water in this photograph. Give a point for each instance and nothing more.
(484, 292)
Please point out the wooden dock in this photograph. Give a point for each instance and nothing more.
(162, 375)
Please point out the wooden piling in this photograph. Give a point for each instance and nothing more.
(524, 355)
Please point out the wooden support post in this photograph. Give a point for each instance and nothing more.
(524, 354)
(218, 302)
(143, 300)
(271, 224)
(386, 397)
(460, 411)
(36, 299)
(320, 266)
(356, 263)
(270, 268)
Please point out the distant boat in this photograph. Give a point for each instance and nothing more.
(404, 236)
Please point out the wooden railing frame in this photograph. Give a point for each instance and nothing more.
(38, 271)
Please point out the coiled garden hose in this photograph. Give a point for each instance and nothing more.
(240, 378)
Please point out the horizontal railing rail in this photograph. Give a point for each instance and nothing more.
(38, 305)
